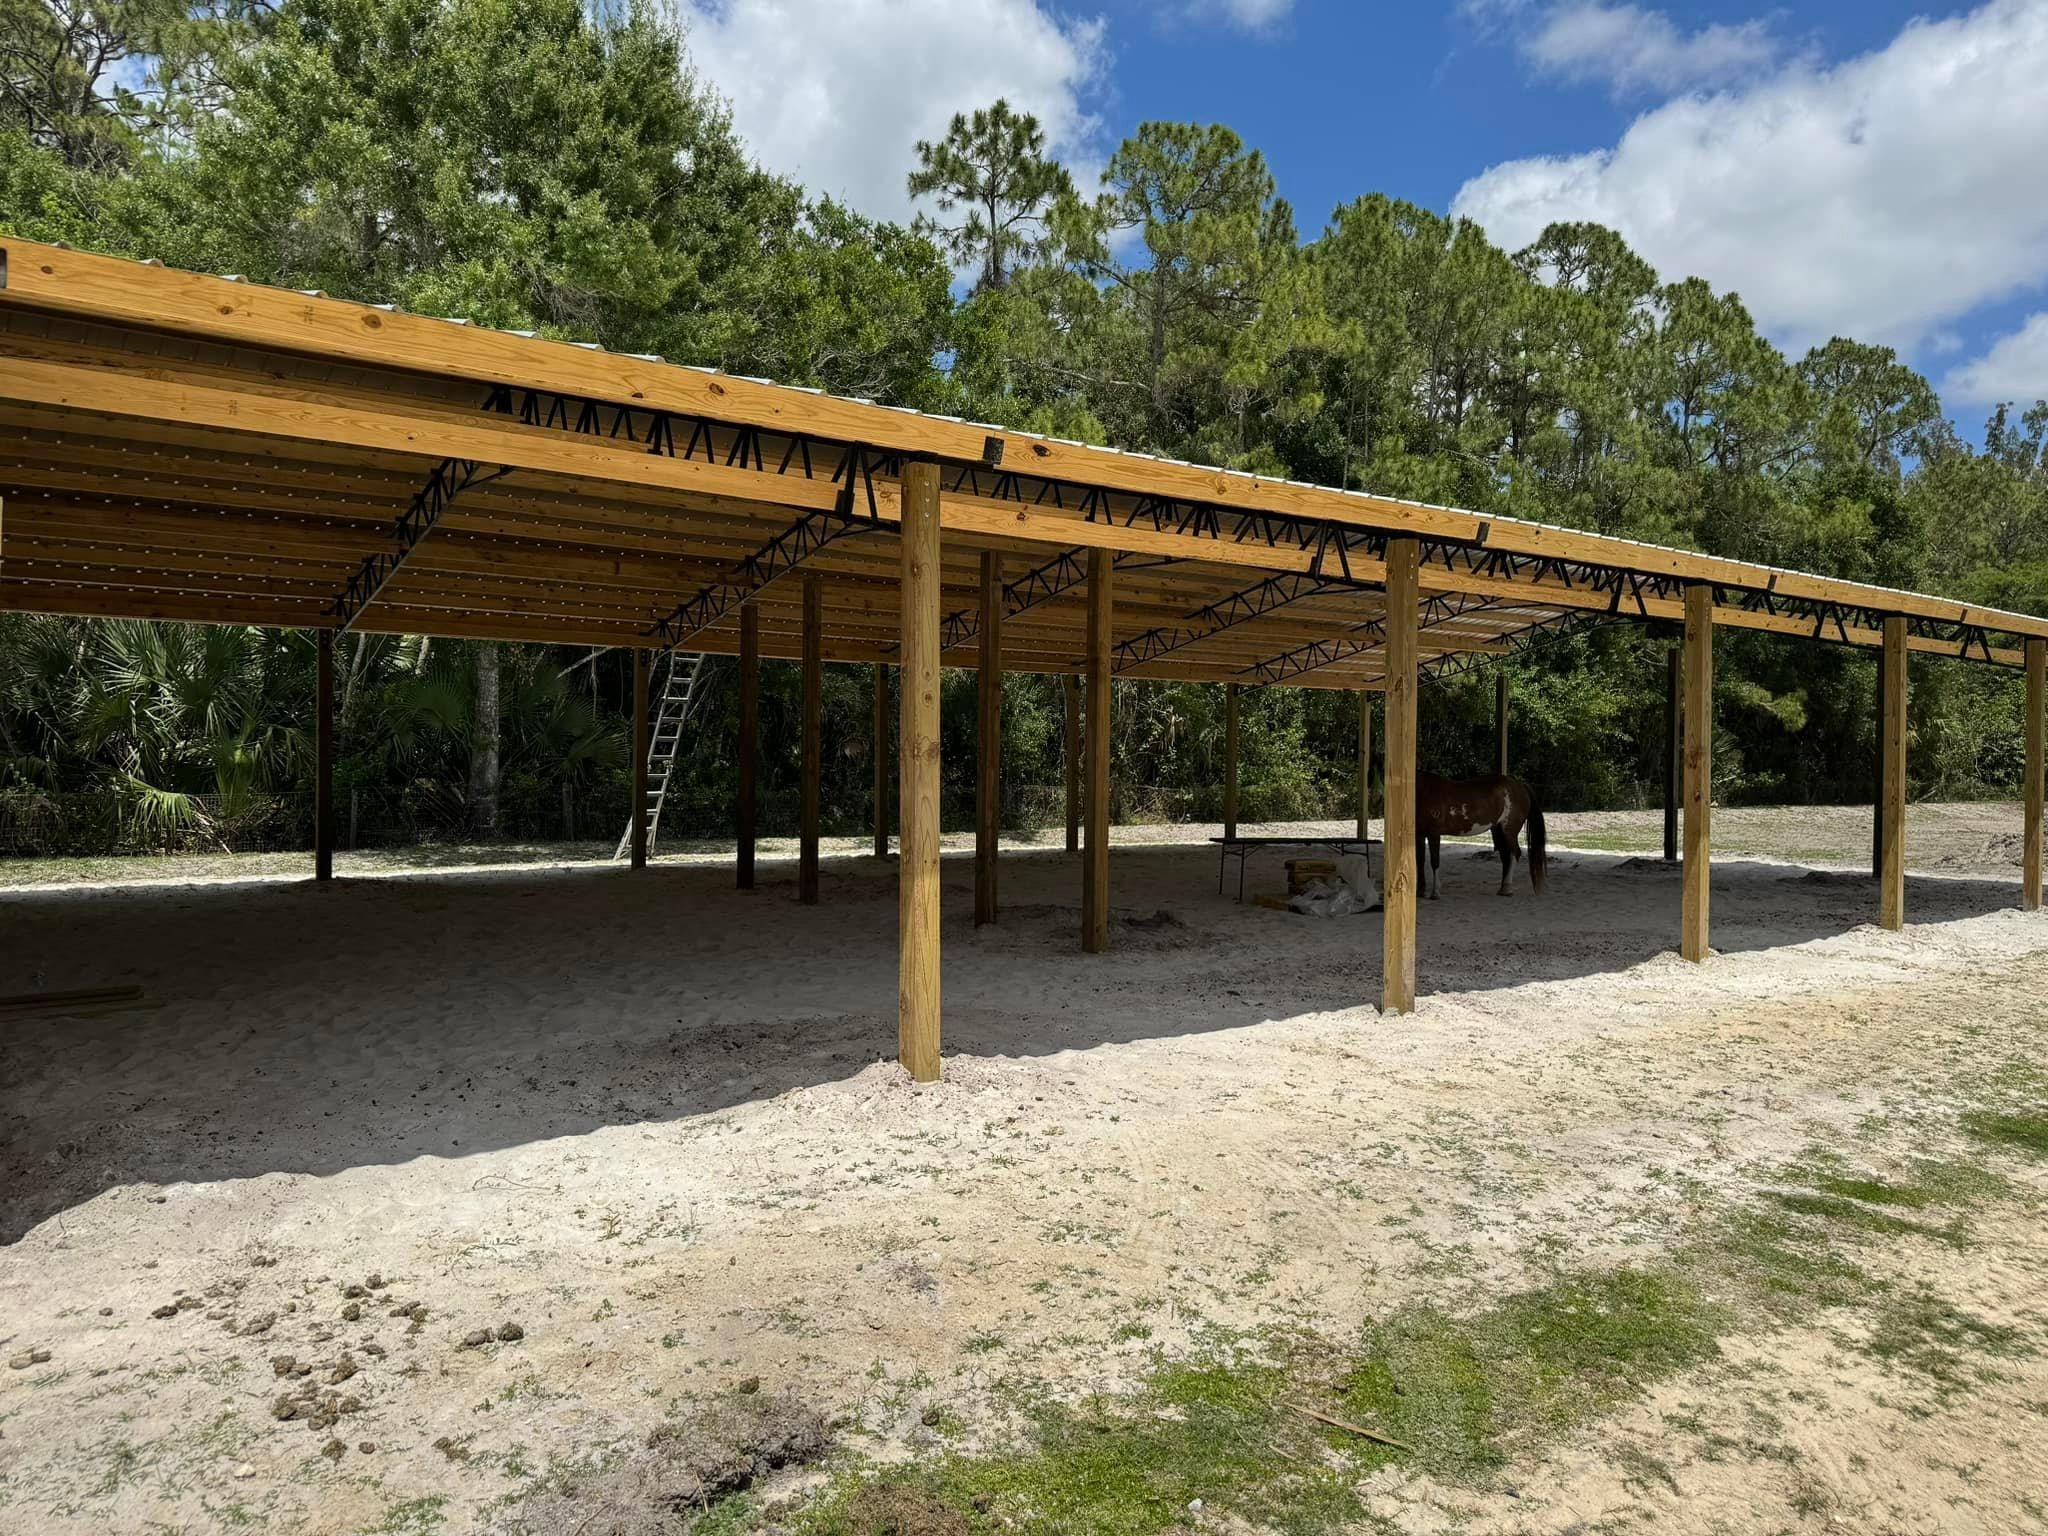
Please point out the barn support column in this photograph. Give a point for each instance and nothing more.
(1877, 780)
(988, 740)
(1070, 694)
(1891, 876)
(1230, 759)
(750, 741)
(2033, 729)
(1364, 764)
(1398, 874)
(1698, 728)
(640, 729)
(1500, 722)
(813, 744)
(917, 756)
(1674, 791)
(323, 761)
(1095, 863)
(879, 735)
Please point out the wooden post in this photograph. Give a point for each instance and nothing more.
(879, 734)
(988, 740)
(323, 761)
(1230, 759)
(917, 756)
(1673, 793)
(1699, 771)
(1891, 878)
(640, 729)
(1877, 779)
(1070, 692)
(750, 738)
(1500, 721)
(2031, 796)
(1095, 863)
(813, 745)
(1364, 764)
(1398, 871)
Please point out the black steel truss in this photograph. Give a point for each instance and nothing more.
(1332, 545)
(450, 478)
(1369, 636)
(854, 511)
(1240, 607)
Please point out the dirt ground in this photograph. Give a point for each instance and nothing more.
(655, 1126)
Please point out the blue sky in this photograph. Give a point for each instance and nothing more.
(1872, 168)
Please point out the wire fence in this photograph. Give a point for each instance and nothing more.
(87, 824)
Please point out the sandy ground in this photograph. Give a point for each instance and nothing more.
(655, 1123)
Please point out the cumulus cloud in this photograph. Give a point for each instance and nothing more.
(2014, 369)
(836, 93)
(1883, 197)
(1634, 50)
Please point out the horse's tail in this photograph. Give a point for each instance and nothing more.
(1539, 860)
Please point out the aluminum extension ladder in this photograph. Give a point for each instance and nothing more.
(678, 697)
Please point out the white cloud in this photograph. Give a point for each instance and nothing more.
(1882, 198)
(2015, 369)
(1631, 49)
(1251, 15)
(836, 93)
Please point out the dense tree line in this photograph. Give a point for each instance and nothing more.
(550, 165)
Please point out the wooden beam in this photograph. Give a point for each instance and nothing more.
(1673, 790)
(813, 744)
(2032, 792)
(1891, 880)
(1364, 765)
(1230, 759)
(1070, 696)
(917, 1013)
(323, 761)
(245, 315)
(1399, 865)
(1699, 772)
(1877, 775)
(988, 739)
(1095, 871)
(878, 735)
(750, 741)
(1500, 722)
(640, 743)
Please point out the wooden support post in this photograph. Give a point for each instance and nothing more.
(1699, 771)
(1364, 765)
(1673, 792)
(1500, 721)
(750, 738)
(917, 756)
(1095, 864)
(1891, 878)
(640, 729)
(1877, 779)
(813, 745)
(1230, 759)
(879, 734)
(2032, 794)
(988, 740)
(1398, 864)
(1070, 692)
(323, 761)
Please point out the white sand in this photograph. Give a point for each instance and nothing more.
(657, 1122)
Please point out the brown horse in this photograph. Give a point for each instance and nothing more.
(1505, 805)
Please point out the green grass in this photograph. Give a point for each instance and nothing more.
(2010, 1133)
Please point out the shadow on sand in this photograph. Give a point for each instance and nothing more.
(289, 1028)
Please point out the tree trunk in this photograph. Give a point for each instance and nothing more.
(483, 754)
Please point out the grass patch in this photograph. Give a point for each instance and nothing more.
(2010, 1133)
(1927, 1334)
